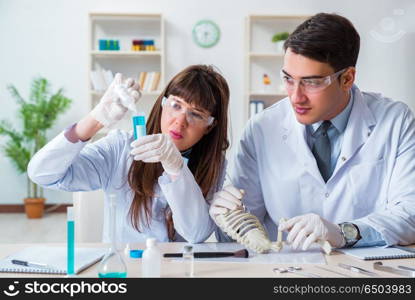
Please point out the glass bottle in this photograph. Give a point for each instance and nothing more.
(188, 261)
(112, 265)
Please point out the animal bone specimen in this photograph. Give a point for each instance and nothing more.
(246, 229)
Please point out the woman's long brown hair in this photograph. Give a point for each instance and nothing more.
(202, 86)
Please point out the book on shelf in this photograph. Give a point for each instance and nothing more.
(141, 79)
(101, 79)
(149, 81)
(156, 81)
(255, 106)
(108, 76)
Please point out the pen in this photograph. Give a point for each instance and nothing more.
(29, 264)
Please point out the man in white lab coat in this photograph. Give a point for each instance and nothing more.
(337, 162)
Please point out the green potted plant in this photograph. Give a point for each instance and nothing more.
(279, 39)
(38, 114)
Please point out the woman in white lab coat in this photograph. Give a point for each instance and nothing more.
(163, 180)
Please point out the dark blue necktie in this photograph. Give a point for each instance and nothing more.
(322, 151)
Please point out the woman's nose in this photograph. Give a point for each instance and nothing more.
(181, 120)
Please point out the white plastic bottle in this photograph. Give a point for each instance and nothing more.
(151, 259)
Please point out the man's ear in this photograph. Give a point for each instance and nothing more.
(210, 127)
(347, 78)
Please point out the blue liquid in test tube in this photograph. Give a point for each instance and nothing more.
(70, 242)
(139, 125)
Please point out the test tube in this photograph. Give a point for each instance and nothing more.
(70, 242)
(139, 125)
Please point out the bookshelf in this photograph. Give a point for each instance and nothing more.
(124, 28)
(261, 57)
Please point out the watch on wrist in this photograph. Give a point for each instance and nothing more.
(351, 233)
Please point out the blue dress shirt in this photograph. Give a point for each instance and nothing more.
(370, 237)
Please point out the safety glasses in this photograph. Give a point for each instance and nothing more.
(313, 84)
(175, 108)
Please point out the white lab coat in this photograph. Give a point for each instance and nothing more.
(82, 166)
(373, 181)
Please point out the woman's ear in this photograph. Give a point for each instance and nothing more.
(210, 127)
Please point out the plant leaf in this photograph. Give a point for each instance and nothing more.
(19, 155)
(40, 90)
(15, 94)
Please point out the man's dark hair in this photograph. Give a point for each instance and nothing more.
(327, 38)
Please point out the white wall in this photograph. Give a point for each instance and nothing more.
(50, 38)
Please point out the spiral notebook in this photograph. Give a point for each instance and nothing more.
(372, 253)
(54, 257)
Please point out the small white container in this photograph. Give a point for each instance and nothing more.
(151, 259)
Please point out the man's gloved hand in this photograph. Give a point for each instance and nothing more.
(227, 199)
(307, 229)
(158, 148)
(118, 98)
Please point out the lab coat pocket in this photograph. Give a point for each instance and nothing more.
(366, 182)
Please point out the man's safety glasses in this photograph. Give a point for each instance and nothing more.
(313, 84)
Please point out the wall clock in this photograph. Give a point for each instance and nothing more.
(206, 33)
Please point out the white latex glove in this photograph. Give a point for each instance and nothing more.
(158, 148)
(227, 199)
(309, 228)
(118, 98)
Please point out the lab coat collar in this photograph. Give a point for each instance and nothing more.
(296, 139)
(358, 129)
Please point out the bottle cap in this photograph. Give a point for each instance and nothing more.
(187, 248)
(136, 253)
(139, 119)
(150, 242)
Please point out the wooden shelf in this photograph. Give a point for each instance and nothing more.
(117, 16)
(261, 57)
(125, 53)
(126, 27)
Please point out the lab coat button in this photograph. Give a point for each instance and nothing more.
(343, 158)
(327, 195)
(284, 137)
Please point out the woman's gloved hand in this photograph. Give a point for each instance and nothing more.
(158, 148)
(117, 100)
